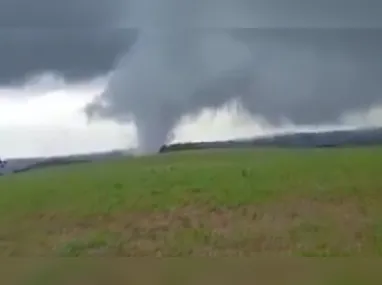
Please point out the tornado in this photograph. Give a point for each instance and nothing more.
(289, 66)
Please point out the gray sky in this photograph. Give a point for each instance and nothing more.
(311, 61)
(78, 38)
(228, 13)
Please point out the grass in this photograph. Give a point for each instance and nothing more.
(316, 202)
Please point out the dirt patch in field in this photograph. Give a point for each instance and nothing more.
(293, 226)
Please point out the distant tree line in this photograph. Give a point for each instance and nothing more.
(352, 138)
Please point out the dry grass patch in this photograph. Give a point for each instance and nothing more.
(298, 226)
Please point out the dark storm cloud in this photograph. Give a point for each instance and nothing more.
(75, 38)
(254, 13)
(313, 75)
(216, 13)
(75, 54)
(83, 38)
(57, 13)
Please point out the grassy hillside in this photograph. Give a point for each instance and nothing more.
(232, 202)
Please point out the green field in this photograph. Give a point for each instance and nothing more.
(316, 202)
